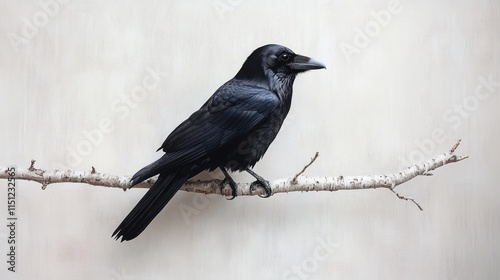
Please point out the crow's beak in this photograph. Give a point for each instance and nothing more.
(304, 63)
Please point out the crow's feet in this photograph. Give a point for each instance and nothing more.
(260, 181)
(228, 180)
(231, 184)
(264, 184)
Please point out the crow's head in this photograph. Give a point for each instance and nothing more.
(272, 62)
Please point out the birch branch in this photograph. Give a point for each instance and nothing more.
(298, 183)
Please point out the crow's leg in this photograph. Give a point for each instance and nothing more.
(260, 181)
(228, 180)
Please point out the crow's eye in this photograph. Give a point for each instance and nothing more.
(284, 57)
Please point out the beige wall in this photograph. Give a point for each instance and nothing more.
(404, 90)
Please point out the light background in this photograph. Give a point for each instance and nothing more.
(371, 112)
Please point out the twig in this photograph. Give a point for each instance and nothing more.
(452, 150)
(406, 198)
(294, 180)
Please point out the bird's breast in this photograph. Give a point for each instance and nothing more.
(250, 148)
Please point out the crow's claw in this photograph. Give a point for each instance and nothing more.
(228, 180)
(263, 184)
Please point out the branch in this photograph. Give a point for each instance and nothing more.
(297, 183)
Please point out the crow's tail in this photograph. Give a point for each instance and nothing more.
(149, 171)
(151, 204)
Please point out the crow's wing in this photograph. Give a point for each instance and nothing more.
(233, 111)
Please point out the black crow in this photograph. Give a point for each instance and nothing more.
(231, 131)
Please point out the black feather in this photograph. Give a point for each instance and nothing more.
(150, 205)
